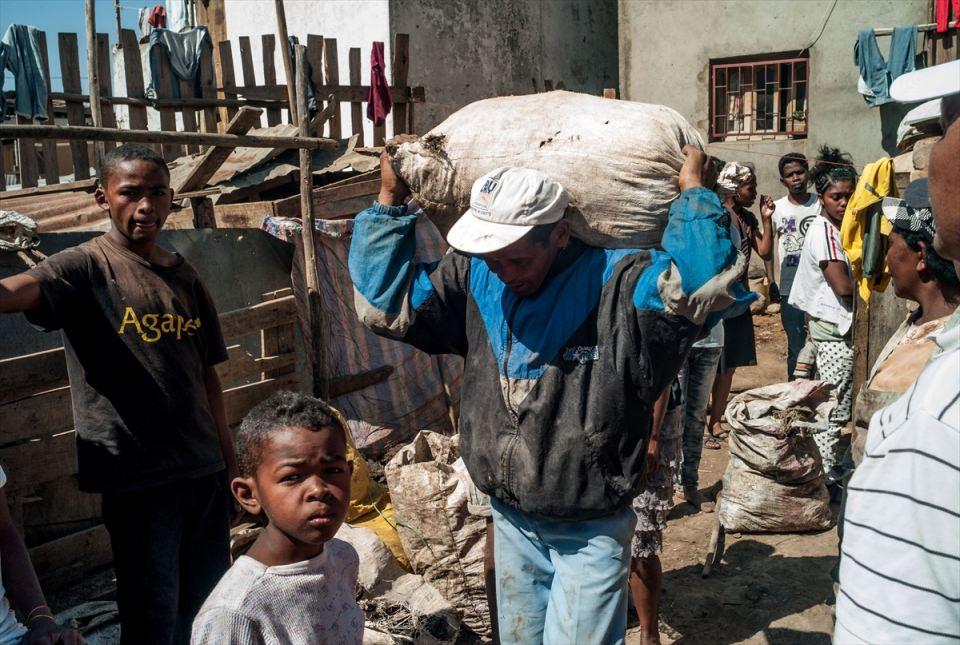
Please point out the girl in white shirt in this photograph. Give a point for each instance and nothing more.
(823, 289)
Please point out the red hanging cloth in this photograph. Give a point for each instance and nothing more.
(378, 100)
(158, 17)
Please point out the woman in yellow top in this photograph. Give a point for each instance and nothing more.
(920, 275)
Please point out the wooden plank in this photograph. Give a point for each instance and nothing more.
(228, 84)
(208, 88)
(39, 415)
(246, 215)
(325, 199)
(164, 85)
(29, 163)
(356, 107)
(237, 401)
(188, 116)
(55, 509)
(345, 93)
(42, 460)
(214, 157)
(278, 340)
(400, 71)
(86, 185)
(63, 562)
(331, 72)
(315, 58)
(133, 73)
(271, 313)
(242, 364)
(105, 75)
(22, 376)
(51, 169)
(66, 132)
(70, 75)
(246, 61)
(269, 44)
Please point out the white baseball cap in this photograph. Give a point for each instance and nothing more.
(929, 83)
(505, 205)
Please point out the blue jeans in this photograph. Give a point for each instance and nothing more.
(696, 379)
(792, 320)
(561, 581)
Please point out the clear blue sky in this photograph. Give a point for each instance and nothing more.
(56, 16)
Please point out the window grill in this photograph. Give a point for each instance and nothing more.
(759, 99)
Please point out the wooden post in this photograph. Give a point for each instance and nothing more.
(116, 8)
(314, 313)
(398, 76)
(51, 171)
(93, 80)
(331, 72)
(70, 73)
(356, 107)
(287, 63)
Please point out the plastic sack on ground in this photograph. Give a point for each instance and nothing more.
(444, 542)
(774, 481)
(619, 160)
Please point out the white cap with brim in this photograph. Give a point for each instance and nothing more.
(505, 205)
(925, 84)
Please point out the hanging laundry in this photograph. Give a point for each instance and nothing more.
(942, 15)
(143, 22)
(312, 106)
(183, 50)
(876, 74)
(21, 55)
(863, 224)
(158, 17)
(379, 102)
(178, 15)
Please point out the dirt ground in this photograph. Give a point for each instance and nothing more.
(769, 588)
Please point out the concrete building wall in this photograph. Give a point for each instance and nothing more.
(354, 23)
(465, 51)
(666, 47)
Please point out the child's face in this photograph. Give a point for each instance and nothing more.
(795, 177)
(138, 199)
(302, 485)
(834, 199)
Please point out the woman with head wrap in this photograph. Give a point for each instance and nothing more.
(920, 275)
(737, 186)
(823, 289)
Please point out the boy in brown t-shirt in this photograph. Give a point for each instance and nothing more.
(141, 337)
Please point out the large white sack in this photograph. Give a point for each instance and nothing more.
(774, 480)
(619, 160)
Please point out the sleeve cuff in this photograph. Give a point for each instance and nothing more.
(392, 211)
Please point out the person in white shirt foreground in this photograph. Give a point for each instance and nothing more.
(900, 561)
(297, 583)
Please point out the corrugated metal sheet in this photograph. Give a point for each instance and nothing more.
(68, 211)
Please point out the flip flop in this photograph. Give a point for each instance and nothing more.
(711, 443)
(723, 434)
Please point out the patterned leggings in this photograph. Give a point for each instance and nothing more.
(835, 365)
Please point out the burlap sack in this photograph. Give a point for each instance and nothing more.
(774, 481)
(444, 542)
(619, 160)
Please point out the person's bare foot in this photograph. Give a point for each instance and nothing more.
(649, 637)
(695, 499)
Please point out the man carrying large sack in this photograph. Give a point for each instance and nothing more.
(566, 349)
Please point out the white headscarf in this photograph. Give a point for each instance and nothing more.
(733, 175)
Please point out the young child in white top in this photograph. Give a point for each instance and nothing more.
(297, 583)
(823, 290)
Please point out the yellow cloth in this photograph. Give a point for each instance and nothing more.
(370, 504)
(876, 182)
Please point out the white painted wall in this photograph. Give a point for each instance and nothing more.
(354, 23)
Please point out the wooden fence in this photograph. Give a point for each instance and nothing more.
(62, 525)
(205, 106)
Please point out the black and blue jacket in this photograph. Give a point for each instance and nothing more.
(559, 387)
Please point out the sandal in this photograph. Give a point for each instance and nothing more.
(711, 443)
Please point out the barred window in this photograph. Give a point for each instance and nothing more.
(759, 98)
